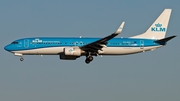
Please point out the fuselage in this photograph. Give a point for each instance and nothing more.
(56, 45)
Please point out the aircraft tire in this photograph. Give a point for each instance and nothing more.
(87, 61)
(21, 59)
(90, 58)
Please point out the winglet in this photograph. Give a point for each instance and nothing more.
(119, 30)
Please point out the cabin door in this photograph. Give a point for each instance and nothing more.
(26, 43)
(141, 44)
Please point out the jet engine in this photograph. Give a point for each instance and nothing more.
(72, 51)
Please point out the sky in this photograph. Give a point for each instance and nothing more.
(149, 76)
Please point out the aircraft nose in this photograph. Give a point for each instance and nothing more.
(7, 47)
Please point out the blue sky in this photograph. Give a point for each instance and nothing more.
(150, 76)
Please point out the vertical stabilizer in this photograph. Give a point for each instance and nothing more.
(159, 28)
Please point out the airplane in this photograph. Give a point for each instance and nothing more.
(69, 48)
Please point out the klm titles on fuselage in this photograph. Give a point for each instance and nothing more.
(158, 28)
(41, 41)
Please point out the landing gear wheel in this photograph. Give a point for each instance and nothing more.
(21, 59)
(88, 59)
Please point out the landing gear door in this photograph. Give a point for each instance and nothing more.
(26, 43)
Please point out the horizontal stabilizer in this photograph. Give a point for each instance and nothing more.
(165, 39)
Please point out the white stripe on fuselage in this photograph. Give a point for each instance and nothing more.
(105, 51)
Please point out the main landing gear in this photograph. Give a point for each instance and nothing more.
(88, 59)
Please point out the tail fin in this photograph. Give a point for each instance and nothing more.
(159, 28)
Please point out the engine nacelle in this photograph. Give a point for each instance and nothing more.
(72, 51)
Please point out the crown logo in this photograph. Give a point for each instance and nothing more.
(158, 25)
(36, 40)
(71, 50)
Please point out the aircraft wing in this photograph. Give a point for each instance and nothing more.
(99, 44)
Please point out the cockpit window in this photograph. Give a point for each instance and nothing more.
(14, 42)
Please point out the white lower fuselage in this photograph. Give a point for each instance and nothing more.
(105, 51)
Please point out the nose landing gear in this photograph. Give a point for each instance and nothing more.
(21, 59)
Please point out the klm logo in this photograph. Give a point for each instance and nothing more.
(158, 28)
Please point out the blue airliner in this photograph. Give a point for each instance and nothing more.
(73, 48)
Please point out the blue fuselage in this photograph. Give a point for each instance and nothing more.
(45, 42)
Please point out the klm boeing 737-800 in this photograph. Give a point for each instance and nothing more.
(73, 48)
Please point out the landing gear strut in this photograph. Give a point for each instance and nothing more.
(88, 59)
(21, 59)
